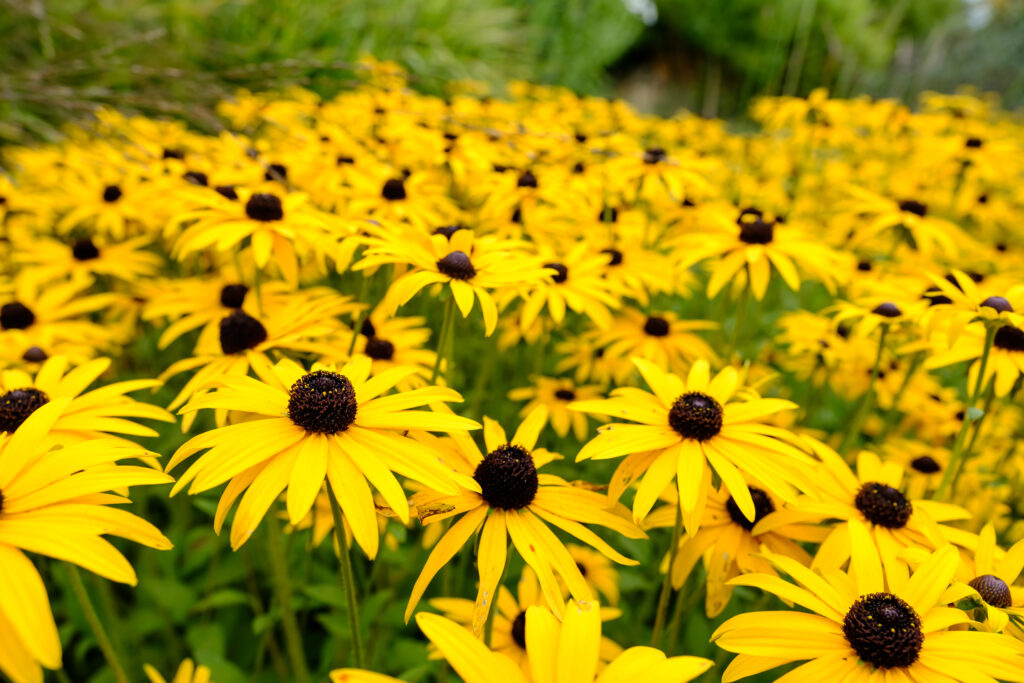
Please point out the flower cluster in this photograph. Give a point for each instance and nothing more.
(801, 347)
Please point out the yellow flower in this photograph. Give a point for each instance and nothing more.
(515, 501)
(556, 395)
(685, 430)
(188, 672)
(310, 427)
(59, 503)
(867, 625)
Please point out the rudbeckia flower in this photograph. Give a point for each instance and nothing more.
(303, 323)
(392, 341)
(1005, 361)
(556, 395)
(53, 313)
(84, 258)
(660, 337)
(87, 414)
(333, 425)
(990, 574)
(515, 502)
(730, 544)
(471, 267)
(685, 430)
(104, 203)
(574, 282)
(509, 629)
(284, 230)
(866, 625)
(58, 503)
(871, 498)
(748, 249)
(557, 651)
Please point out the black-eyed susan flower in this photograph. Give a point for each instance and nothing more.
(661, 337)
(87, 413)
(509, 630)
(556, 394)
(471, 267)
(333, 425)
(866, 625)
(871, 497)
(281, 229)
(990, 573)
(557, 651)
(688, 428)
(1004, 359)
(516, 503)
(58, 503)
(53, 313)
(729, 544)
(85, 258)
(749, 247)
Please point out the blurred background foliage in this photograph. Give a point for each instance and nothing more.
(177, 57)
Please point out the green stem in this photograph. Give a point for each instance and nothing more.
(283, 585)
(442, 340)
(358, 325)
(865, 401)
(666, 585)
(493, 608)
(741, 316)
(955, 460)
(347, 580)
(95, 624)
(893, 414)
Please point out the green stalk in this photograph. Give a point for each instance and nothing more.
(865, 401)
(363, 287)
(442, 340)
(955, 460)
(493, 608)
(95, 624)
(347, 580)
(666, 585)
(893, 413)
(741, 316)
(283, 585)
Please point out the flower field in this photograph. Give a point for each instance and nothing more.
(519, 387)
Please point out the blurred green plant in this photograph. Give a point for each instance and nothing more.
(178, 57)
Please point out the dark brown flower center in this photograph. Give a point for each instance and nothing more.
(565, 394)
(884, 631)
(111, 193)
(379, 349)
(226, 191)
(973, 143)
(615, 256)
(239, 332)
(527, 179)
(196, 178)
(16, 316)
(1009, 338)
(393, 190)
(233, 296)
(654, 155)
(992, 590)
(561, 272)
(457, 266)
(507, 477)
(84, 250)
(763, 507)
(754, 229)
(519, 630)
(926, 464)
(34, 354)
(322, 402)
(276, 172)
(448, 230)
(17, 405)
(998, 303)
(695, 415)
(913, 206)
(887, 310)
(264, 207)
(656, 327)
(883, 505)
